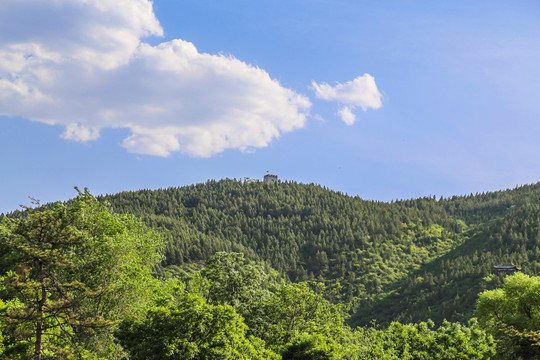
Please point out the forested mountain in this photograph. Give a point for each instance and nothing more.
(407, 260)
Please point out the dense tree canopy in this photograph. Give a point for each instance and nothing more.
(253, 270)
(449, 341)
(512, 315)
(407, 260)
(279, 321)
(70, 272)
(187, 327)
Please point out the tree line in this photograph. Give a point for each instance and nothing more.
(82, 281)
(406, 260)
(76, 284)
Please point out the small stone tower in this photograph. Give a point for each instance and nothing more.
(269, 178)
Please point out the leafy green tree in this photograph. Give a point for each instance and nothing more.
(372, 344)
(350, 345)
(449, 341)
(275, 312)
(282, 312)
(310, 347)
(456, 341)
(512, 315)
(46, 303)
(78, 269)
(517, 304)
(232, 280)
(188, 327)
(10, 348)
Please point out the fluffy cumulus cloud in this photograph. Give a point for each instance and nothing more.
(361, 92)
(83, 64)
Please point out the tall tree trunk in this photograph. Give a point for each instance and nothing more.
(39, 323)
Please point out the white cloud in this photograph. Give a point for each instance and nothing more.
(82, 64)
(347, 115)
(361, 92)
(78, 132)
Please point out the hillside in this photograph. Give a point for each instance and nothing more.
(407, 260)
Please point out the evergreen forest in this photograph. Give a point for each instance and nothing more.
(408, 260)
(248, 270)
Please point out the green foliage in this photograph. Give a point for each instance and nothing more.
(293, 320)
(2, 339)
(360, 344)
(517, 344)
(232, 280)
(517, 304)
(309, 347)
(403, 261)
(287, 310)
(70, 273)
(10, 348)
(273, 312)
(188, 327)
(512, 315)
(449, 341)
(407, 260)
(448, 286)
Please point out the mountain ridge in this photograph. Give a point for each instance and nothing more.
(413, 258)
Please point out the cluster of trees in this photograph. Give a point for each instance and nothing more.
(76, 283)
(407, 260)
(512, 315)
(452, 282)
(232, 310)
(68, 275)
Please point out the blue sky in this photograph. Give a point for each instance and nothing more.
(383, 100)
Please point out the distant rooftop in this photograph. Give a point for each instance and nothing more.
(506, 267)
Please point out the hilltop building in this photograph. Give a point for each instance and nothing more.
(507, 268)
(269, 178)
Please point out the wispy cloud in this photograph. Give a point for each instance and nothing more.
(82, 64)
(361, 92)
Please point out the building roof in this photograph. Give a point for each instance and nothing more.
(506, 266)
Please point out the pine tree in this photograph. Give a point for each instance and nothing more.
(47, 301)
(72, 271)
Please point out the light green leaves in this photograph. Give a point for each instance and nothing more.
(512, 315)
(190, 328)
(70, 272)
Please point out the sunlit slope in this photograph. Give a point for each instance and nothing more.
(405, 260)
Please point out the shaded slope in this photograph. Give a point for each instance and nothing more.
(448, 287)
(406, 260)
